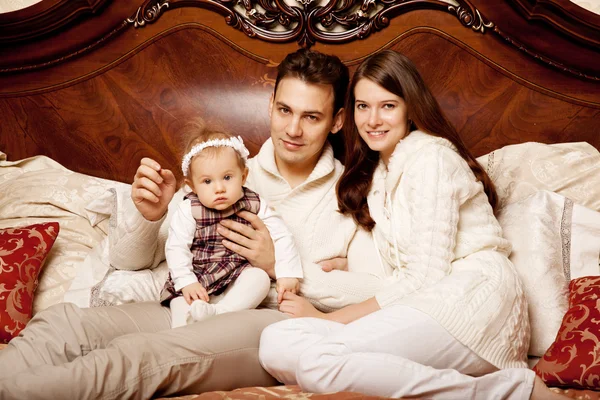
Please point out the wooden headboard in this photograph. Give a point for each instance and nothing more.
(98, 84)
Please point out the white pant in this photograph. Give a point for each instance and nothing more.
(244, 293)
(394, 352)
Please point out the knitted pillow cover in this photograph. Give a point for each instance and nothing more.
(22, 255)
(574, 358)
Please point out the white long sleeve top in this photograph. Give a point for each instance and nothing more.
(436, 228)
(309, 211)
(181, 235)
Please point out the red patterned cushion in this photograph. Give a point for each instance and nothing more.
(22, 254)
(574, 358)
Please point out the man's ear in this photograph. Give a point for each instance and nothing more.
(338, 121)
(271, 100)
(244, 176)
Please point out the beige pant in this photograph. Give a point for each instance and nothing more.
(130, 352)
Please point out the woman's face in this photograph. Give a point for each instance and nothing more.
(380, 117)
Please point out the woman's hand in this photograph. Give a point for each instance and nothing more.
(194, 291)
(339, 263)
(298, 307)
(254, 242)
(152, 189)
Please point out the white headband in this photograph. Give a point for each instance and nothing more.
(235, 143)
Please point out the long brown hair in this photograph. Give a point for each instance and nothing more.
(398, 75)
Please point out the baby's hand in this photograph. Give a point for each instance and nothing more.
(194, 291)
(287, 285)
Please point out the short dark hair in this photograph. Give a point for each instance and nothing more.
(314, 67)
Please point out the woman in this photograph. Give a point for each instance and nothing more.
(452, 320)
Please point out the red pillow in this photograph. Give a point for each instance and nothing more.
(22, 254)
(574, 358)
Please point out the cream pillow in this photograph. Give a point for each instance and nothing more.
(554, 241)
(96, 282)
(38, 189)
(570, 169)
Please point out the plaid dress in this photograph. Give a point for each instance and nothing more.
(214, 265)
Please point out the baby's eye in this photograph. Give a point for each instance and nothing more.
(227, 177)
(207, 181)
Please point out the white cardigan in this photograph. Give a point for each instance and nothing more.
(309, 211)
(436, 228)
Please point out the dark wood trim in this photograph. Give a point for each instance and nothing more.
(569, 18)
(301, 24)
(133, 52)
(67, 41)
(548, 42)
(546, 60)
(45, 17)
(353, 62)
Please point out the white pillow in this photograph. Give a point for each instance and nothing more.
(133, 286)
(569, 169)
(97, 283)
(554, 240)
(38, 189)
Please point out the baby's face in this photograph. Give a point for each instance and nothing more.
(217, 179)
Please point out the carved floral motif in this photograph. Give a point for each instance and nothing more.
(574, 358)
(308, 21)
(22, 254)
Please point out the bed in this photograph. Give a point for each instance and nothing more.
(88, 88)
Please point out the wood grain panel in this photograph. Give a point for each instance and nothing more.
(488, 46)
(104, 125)
(127, 106)
(488, 108)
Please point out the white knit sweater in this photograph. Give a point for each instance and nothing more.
(436, 226)
(309, 211)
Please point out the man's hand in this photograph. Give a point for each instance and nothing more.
(291, 285)
(339, 263)
(194, 291)
(254, 242)
(297, 307)
(152, 189)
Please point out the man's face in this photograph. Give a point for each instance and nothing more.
(301, 118)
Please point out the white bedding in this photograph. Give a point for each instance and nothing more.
(38, 189)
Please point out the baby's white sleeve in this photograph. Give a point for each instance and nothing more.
(287, 258)
(178, 247)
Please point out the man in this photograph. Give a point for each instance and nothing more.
(129, 351)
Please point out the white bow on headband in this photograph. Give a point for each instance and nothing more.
(235, 143)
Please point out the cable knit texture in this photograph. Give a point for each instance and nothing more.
(434, 222)
(309, 211)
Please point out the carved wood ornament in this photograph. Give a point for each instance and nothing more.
(306, 22)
